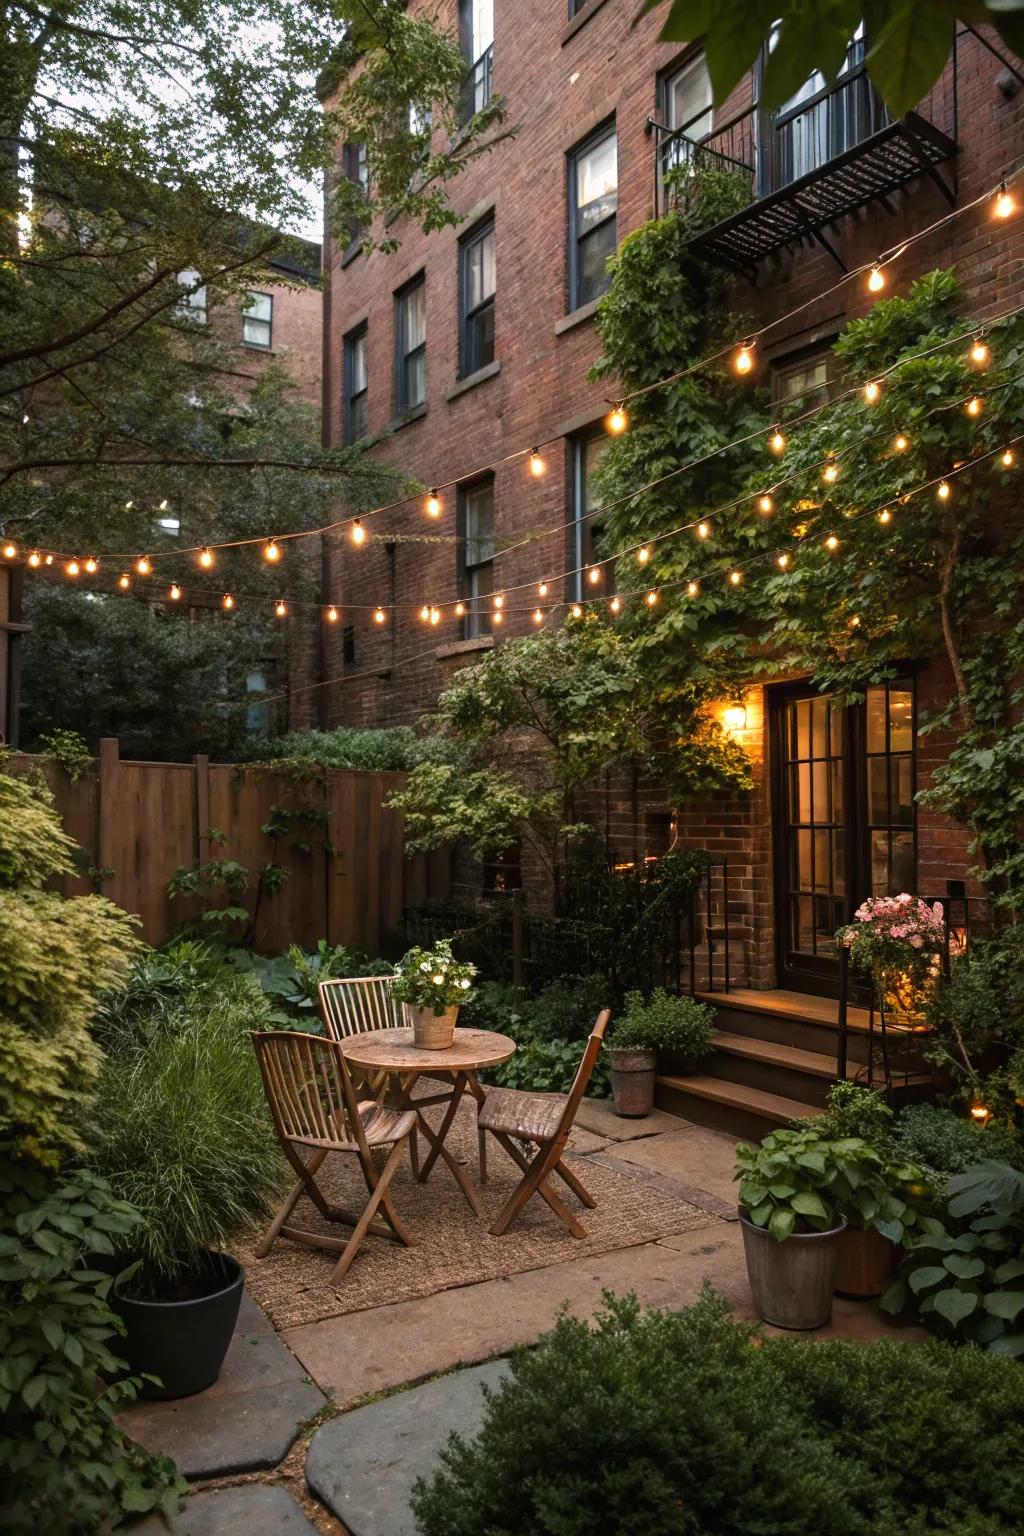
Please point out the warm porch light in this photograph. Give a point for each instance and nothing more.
(734, 718)
(537, 465)
(617, 420)
(433, 504)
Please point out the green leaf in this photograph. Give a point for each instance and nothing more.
(1008, 1344)
(687, 19)
(806, 1203)
(781, 1224)
(920, 1279)
(731, 45)
(964, 1268)
(1011, 1270)
(954, 1305)
(1004, 1304)
(909, 54)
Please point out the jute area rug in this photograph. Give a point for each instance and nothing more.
(453, 1247)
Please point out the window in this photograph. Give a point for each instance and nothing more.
(817, 123)
(192, 304)
(585, 531)
(257, 714)
(803, 381)
(593, 200)
(476, 517)
(355, 384)
(348, 644)
(476, 24)
(688, 108)
(258, 320)
(354, 166)
(889, 710)
(476, 300)
(411, 345)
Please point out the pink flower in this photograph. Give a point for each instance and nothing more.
(904, 898)
(917, 941)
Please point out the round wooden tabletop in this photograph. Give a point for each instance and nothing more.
(392, 1050)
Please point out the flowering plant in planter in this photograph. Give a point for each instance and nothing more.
(898, 939)
(433, 978)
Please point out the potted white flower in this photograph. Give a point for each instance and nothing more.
(432, 985)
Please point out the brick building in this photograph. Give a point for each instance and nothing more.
(470, 345)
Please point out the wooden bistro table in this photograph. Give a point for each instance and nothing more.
(392, 1051)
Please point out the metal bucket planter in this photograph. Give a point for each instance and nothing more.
(431, 1031)
(182, 1342)
(633, 1082)
(792, 1282)
(866, 1262)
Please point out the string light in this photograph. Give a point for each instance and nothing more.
(872, 391)
(693, 588)
(594, 575)
(227, 601)
(1007, 458)
(538, 617)
(163, 505)
(271, 552)
(379, 616)
(498, 617)
(1004, 204)
(35, 559)
(10, 550)
(425, 613)
(885, 517)
(206, 557)
(26, 418)
(542, 589)
(460, 609)
(617, 421)
(979, 353)
(615, 604)
(499, 601)
(735, 577)
(980, 1113)
(651, 599)
(832, 543)
(124, 581)
(577, 611)
(901, 442)
(974, 406)
(643, 554)
(143, 565)
(830, 474)
(358, 532)
(49, 560)
(702, 530)
(537, 465)
(855, 621)
(876, 278)
(943, 492)
(72, 567)
(743, 360)
(128, 505)
(281, 609)
(765, 503)
(175, 592)
(92, 565)
(777, 443)
(782, 561)
(435, 615)
(332, 615)
(432, 504)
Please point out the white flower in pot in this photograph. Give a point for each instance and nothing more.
(431, 985)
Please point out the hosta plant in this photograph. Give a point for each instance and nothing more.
(796, 1181)
(433, 978)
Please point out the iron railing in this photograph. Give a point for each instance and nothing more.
(477, 88)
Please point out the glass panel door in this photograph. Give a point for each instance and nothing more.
(814, 825)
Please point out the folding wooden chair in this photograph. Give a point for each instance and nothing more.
(545, 1121)
(316, 1111)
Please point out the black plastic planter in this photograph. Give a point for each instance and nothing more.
(182, 1342)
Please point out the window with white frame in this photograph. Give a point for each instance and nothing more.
(356, 383)
(476, 299)
(476, 26)
(192, 304)
(411, 345)
(258, 321)
(593, 206)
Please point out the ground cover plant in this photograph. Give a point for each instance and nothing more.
(550, 1031)
(684, 1423)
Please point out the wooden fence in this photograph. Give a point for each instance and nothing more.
(346, 877)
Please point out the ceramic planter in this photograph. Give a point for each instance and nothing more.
(866, 1262)
(633, 1075)
(792, 1282)
(431, 1031)
(182, 1342)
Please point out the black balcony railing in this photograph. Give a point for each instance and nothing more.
(803, 166)
(477, 88)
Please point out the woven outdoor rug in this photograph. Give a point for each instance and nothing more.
(454, 1248)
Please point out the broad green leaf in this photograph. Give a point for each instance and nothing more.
(963, 1267)
(781, 1224)
(1008, 1344)
(686, 21)
(920, 1279)
(732, 45)
(909, 54)
(1011, 1270)
(806, 1203)
(1005, 1304)
(954, 1305)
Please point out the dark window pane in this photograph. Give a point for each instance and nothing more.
(904, 875)
(878, 792)
(879, 863)
(594, 250)
(902, 774)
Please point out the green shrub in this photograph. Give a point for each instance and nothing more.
(664, 1023)
(566, 1009)
(291, 980)
(944, 1142)
(182, 1130)
(495, 1005)
(548, 1066)
(686, 1423)
(390, 749)
(852, 1110)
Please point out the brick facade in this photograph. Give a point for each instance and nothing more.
(560, 83)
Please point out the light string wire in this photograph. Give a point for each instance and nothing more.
(888, 256)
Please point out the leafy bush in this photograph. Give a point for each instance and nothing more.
(290, 980)
(971, 1283)
(548, 1066)
(978, 1023)
(182, 1130)
(685, 1423)
(944, 1142)
(853, 1111)
(550, 1032)
(664, 1023)
(566, 1008)
(394, 749)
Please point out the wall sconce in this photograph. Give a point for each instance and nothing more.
(734, 718)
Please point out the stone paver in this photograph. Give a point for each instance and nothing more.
(690, 1155)
(364, 1464)
(598, 1115)
(246, 1421)
(253, 1509)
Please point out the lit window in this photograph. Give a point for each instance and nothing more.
(258, 321)
(411, 346)
(593, 204)
(476, 25)
(476, 300)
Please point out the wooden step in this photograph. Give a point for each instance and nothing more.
(790, 1018)
(804, 1076)
(738, 1108)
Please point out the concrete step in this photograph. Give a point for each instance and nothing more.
(738, 1108)
(804, 1076)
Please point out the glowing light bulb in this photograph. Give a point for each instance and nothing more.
(379, 616)
(175, 592)
(855, 621)
(885, 517)
(358, 532)
(143, 565)
(615, 604)
(777, 443)
(1004, 204)
(128, 505)
(594, 575)
(743, 360)
(163, 505)
(499, 601)
(425, 613)
(432, 504)
(782, 561)
(1007, 458)
(577, 611)
(703, 530)
(872, 391)
(735, 577)
(980, 1113)
(765, 503)
(901, 442)
(124, 581)
(651, 599)
(498, 617)
(542, 589)
(271, 552)
(10, 550)
(49, 560)
(832, 543)
(92, 565)
(281, 609)
(25, 419)
(943, 492)
(537, 465)
(72, 568)
(979, 353)
(876, 279)
(830, 474)
(35, 559)
(332, 615)
(692, 588)
(643, 554)
(974, 406)
(460, 610)
(617, 421)
(227, 601)
(435, 615)
(538, 617)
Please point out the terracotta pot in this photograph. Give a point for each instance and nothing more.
(431, 1031)
(792, 1282)
(866, 1262)
(633, 1082)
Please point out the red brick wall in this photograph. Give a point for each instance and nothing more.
(296, 340)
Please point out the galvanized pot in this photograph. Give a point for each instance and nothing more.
(792, 1282)
(633, 1082)
(431, 1031)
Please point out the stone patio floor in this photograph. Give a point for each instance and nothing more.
(311, 1430)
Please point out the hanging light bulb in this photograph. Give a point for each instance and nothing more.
(432, 505)
(497, 617)
(425, 613)
(163, 505)
(885, 517)
(227, 601)
(1007, 458)
(832, 543)
(782, 561)
(460, 610)
(92, 565)
(332, 615)
(542, 589)
(855, 621)
(49, 560)
(206, 557)
(577, 611)
(692, 588)
(281, 609)
(594, 575)
(175, 592)
(974, 406)
(35, 559)
(358, 532)
(1004, 204)
(538, 617)
(651, 599)
(943, 492)
(617, 421)
(872, 391)
(10, 550)
(615, 604)
(777, 443)
(743, 359)
(128, 505)
(124, 581)
(901, 442)
(830, 474)
(379, 616)
(537, 465)
(735, 578)
(979, 354)
(876, 279)
(703, 530)
(435, 615)
(765, 503)
(980, 1113)
(72, 568)
(143, 565)
(271, 552)
(499, 601)
(643, 554)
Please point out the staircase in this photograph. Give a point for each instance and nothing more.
(774, 1061)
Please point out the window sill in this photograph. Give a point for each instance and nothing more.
(256, 346)
(580, 20)
(577, 317)
(489, 371)
(464, 647)
(414, 413)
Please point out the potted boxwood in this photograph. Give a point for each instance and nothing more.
(667, 1025)
(431, 986)
(182, 1132)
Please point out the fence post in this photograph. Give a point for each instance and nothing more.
(517, 938)
(106, 806)
(201, 764)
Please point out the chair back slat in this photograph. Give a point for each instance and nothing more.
(309, 1088)
(355, 1005)
(583, 1073)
